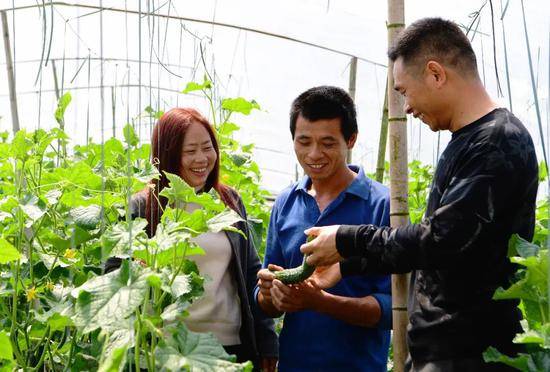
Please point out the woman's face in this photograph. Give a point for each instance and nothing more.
(197, 157)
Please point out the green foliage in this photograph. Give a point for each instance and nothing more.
(420, 180)
(239, 105)
(117, 240)
(183, 349)
(130, 136)
(62, 106)
(86, 217)
(61, 217)
(541, 223)
(531, 287)
(543, 171)
(5, 346)
(493, 355)
(192, 86)
(115, 360)
(152, 113)
(108, 299)
(8, 252)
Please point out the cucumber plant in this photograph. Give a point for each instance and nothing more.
(62, 214)
(531, 288)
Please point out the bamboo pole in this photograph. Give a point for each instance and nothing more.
(399, 210)
(351, 91)
(380, 163)
(11, 74)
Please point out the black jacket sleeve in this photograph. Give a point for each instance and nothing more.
(264, 327)
(466, 217)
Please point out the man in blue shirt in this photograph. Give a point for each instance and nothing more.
(347, 327)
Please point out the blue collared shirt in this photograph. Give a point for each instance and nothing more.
(309, 340)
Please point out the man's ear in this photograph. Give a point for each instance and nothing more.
(351, 141)
(437, 75)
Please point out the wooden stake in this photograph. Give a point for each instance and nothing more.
(351, 91)
(381, 162)
(399, 209)
(11, 75)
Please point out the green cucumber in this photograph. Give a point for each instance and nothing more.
(297, 274)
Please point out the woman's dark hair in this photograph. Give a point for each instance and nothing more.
(166, 154)
(325, 102)
(435, 39)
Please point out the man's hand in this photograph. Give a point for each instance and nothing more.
(322, 250)
(265, 280)
(326, 276)
(265, 283)
(296, 297)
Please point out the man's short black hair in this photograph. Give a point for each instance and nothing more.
(435, 39)
(325, 102)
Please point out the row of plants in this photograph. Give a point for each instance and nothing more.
(64, 212)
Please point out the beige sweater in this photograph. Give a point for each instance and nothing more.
(218, 310)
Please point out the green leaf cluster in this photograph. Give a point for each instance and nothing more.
(183, 349)
(531, 288)
(420, 180)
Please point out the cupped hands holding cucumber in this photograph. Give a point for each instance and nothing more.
(288, 290)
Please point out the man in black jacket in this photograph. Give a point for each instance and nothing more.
(484, 190)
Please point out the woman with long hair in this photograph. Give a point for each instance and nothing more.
(184, 143)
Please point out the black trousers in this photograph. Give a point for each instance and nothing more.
(456, 365)
(243, 354)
